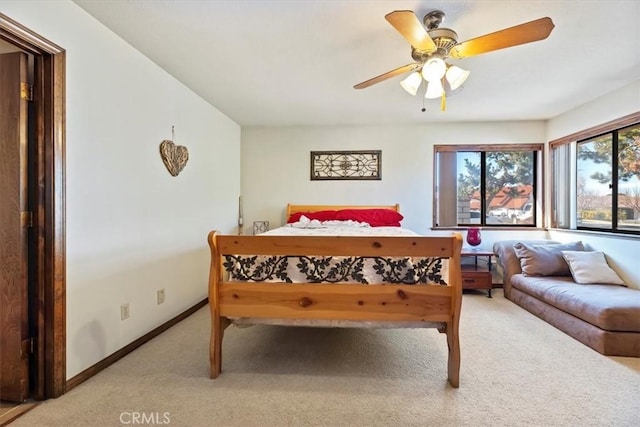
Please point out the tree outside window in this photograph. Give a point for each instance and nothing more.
(507, 185)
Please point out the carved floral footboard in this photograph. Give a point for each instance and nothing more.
(251, 277)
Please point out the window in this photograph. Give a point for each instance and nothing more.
(486, 185)
(560, 187)
(600, 188)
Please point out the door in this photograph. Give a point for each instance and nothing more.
(15, 345)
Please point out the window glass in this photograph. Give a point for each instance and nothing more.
(629, 179)
(561, 192)
(468, 187)
(594, 201)
(509, 193)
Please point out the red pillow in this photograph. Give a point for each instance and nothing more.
(319, 215)
(374, 217)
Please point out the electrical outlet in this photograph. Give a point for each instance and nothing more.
(124, 311)
(160, 296)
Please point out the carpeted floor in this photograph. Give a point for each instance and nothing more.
(516, 371)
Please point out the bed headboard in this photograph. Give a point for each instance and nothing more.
(291, 209)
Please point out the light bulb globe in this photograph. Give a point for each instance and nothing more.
(434, 69)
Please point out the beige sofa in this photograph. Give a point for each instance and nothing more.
(605, 317)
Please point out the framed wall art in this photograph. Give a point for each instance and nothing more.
(346, 165)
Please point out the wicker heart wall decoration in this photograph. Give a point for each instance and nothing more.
(174, 156)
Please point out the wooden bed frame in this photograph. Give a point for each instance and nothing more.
(291, 209)
(415, 305)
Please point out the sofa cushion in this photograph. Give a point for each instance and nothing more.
(509, 262)
(612, 308)
(545, 260)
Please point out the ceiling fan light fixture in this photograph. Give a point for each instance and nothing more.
(434, 69)
(412, 83)
(434, 90)
(456, 76)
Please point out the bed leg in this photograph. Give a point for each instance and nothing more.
(453, 366)
(215, 349)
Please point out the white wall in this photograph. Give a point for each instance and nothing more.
(276, 168)
(131, 227)
(614, 105)
(276, 162)
(623, 253)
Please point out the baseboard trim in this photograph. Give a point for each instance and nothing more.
(12, 414)
(110, 360)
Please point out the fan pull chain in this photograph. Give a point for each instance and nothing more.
(423, 98)
(173, 133)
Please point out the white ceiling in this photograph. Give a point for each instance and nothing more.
(294, 63)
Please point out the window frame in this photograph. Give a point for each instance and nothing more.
(571, 141)
(538, 181)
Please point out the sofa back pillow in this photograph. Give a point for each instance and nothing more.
(591, 267)
(545, 260)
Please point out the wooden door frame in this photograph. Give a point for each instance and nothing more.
(49, 210)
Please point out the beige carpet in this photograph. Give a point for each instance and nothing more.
(516, 371)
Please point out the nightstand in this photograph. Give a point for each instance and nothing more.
(475, 276)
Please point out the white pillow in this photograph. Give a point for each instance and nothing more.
(305, 222)
(591, 267)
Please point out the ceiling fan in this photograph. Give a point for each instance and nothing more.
(431, 46)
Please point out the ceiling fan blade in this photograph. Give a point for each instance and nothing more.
(388, 75)
(513, 36)
(407, 24)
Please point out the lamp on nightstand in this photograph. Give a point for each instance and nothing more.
(260, 227)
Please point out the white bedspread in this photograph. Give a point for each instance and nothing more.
(338, 228)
